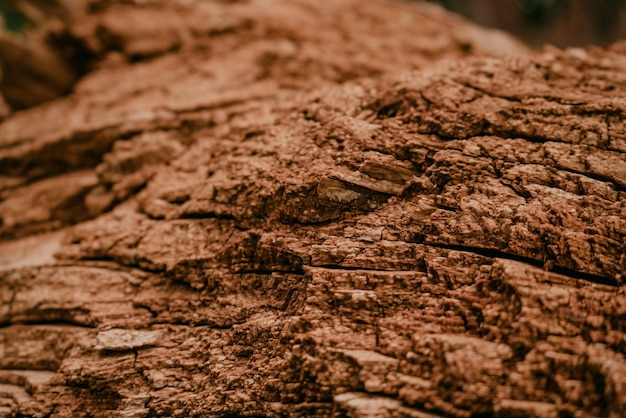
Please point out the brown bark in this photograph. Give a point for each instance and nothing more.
(278, 218)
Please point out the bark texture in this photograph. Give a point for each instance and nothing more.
(278, 218)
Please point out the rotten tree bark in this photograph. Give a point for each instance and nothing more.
(275, 216)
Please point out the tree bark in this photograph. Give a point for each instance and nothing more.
(295, 208)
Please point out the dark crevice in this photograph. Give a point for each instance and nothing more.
(357, 268)
(485, 92)
(482, 415)
(109, 265)
(218, 105)
(208, 215)
(496, 131)
(154, 313)
(516, 191)
(321, 223)
(593, 176)
(259, 272)
(297, 270)
(585, 276)
(52, 322)
(492, 253)
(96, 259)
(241, 228)
(445, 207)
(361, 189)
(516, 135)
(137, 265)
(211, 323)
(82, 150)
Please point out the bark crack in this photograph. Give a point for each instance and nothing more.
(493, 253)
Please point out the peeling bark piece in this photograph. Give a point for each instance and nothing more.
(126, 340)
(336, 191)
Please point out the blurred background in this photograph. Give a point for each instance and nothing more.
(559, 22)
(41, 60)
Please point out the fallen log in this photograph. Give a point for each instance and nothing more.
(303, 214)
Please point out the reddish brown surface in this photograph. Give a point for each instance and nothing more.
(281, 219)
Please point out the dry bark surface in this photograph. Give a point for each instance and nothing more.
(296, 208)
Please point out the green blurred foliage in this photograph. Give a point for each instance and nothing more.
(13, 20)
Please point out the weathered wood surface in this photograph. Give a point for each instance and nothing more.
(280, 219)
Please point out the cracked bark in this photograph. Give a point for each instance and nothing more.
(271, 219)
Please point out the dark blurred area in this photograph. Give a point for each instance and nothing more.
(39, 59)
(44, 47)
(559, 22)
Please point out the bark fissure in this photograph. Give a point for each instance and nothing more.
(495, 254)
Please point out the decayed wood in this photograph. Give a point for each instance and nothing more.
(289, 222)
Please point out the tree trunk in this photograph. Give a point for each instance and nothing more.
(259, 208)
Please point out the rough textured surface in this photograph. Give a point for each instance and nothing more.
(225, 46)
(253, 240)
(232, 64)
